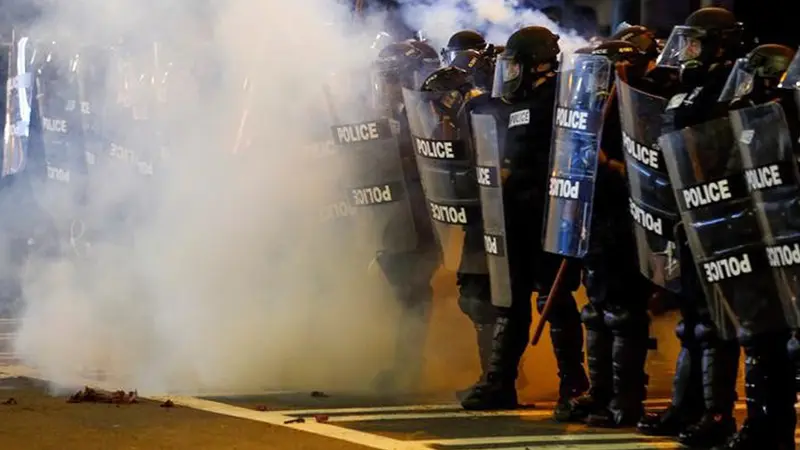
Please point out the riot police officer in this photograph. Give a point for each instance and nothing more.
(790, 83)
(518, 120)
(597, 228)
(702, 51)
(408, 269)
(478, 64)
(766, 312)
(694, 66)
(460, 41)
(438, 120)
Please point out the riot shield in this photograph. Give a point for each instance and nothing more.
(376, 184)
(60, 120)
(446, 163)
(583, 88)
(19, 97)
(770, 169)
(490, 182)
(724, 237)
(59, 143)
(329, 198)
(652, 202)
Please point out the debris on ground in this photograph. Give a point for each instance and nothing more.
(321, 418)
(319, 394)
(167, 404)
(298, 420)
(89, 395)
(261, 408)
(10, 401)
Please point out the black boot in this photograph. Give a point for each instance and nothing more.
(686, 404)
(484, 334)
(769, 387)
(720, 369)
(630, 382)
(599, 342)
(566, 334)
(498, 390)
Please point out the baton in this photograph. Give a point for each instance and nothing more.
(550, 296)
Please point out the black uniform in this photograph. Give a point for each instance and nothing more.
(769, 380)
(525, 154)
(707, 365)
(616, 319)
(409, 273)
(451, 182)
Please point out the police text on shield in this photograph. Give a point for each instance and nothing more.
(763, 177)
(570, 118)
(639, 152)
(706, 194)
(727, 268)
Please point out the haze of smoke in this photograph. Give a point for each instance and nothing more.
(496, 19)
(231, 281)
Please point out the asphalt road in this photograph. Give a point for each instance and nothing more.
(289, 421)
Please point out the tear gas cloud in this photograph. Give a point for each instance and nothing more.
(496, 19)
(228, 278)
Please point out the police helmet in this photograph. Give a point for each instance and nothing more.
(460, 41)
(454, 86)
(480, 65)
(708, 35)
(642, 37)
(758, 74)
(530, 53)
(446, 79)
(399, 65)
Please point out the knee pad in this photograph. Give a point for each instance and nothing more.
(706, 334)
(793, 346)
(592, 317)
(685, 332)
(480, 311)
(623, 322)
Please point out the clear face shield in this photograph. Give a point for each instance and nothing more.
(740, 82)
(791, 79)
(507, 76)
(387, 90)
(684, 44)
(585, 82)
(448, 56)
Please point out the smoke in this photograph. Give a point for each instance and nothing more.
(211, 252)
(495, 19)
(207, 254)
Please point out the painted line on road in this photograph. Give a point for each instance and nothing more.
(544, 406)
(421, 414)
(500, 440)
(367, 410)
(441, 415)
(604, 446)
(321, 429)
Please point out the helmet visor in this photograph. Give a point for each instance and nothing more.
(507, 76)
(791, 79)
(387, 90)
(448, 56)
(585, 82)
(684, 44)
(740, 82)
